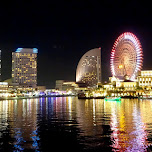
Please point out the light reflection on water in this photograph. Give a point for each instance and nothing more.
(37, 124)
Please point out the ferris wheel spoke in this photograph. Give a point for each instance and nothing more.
(126, 55)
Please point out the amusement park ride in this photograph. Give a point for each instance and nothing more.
(126, 56)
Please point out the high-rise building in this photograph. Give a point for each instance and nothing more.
(89, 68)
(24, 67)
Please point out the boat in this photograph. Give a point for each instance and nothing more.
(112, 98)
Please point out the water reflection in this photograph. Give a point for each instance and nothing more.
(20, 117)
(35, 124)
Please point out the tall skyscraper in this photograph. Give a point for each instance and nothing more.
(89, 68)
(24, 67)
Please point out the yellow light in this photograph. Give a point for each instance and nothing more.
(6, 94)
(120, 66)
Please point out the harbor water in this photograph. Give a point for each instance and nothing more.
(72, 124)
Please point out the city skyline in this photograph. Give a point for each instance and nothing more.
(75, 75)
(104, 77)
(63, 32)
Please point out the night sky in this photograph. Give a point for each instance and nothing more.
(63, 31)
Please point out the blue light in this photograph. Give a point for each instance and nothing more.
(19, 49)
(35, 50)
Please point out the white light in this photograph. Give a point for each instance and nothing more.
(131, 37)
(19, 49)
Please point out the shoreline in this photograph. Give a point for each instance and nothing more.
(45, 96)
(33, 97)
(102, 97)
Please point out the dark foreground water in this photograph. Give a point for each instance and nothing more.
(69, 124)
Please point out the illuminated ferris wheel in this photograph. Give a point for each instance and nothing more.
(126, 56)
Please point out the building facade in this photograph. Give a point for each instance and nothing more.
(63, 85)
(58, 84)
(89, 68)
(24, 67)
(145, 78)
(117, 84)
(3, 89)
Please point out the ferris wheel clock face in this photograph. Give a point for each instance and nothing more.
(126, 56)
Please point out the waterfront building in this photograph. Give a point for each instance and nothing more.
(41, 88)
(145, 79)
(63, 85)
(69, 86)
(58, 84)
(129, 85)
(17, 88)
(24, 67)
(119, 85)
(88, 70)
(3, 89)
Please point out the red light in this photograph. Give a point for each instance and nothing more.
(138, 49)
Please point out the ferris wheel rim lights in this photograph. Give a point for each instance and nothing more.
(139, 54)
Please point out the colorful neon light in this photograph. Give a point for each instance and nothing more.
(126, 51)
